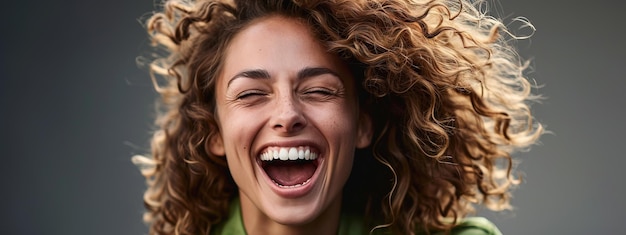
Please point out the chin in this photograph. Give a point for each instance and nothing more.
(295, 214)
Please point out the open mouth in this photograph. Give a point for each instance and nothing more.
(289, 167)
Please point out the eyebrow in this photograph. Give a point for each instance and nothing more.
(263, 74)
(254, 74)
(315, 71)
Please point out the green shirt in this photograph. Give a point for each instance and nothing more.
(352, 225)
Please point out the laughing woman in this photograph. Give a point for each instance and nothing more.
(332, 117)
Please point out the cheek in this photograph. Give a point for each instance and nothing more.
(239, 130)
(238, 133)
(340, 119)
(229, 127)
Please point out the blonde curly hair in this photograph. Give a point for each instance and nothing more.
(446, 93)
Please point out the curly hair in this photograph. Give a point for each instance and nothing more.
(445, 90)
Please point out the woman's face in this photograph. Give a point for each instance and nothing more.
(289, 121)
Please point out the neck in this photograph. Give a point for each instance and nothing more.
(257, 223)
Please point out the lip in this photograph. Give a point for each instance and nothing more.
(294, 192)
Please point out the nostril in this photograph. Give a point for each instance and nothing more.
(297, 126)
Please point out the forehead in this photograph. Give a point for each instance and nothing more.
(291, 34)
(278, 44)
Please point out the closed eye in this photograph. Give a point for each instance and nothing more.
(250, 94)
(320, 91)
(320, 94)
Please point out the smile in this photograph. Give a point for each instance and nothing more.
(289, 167)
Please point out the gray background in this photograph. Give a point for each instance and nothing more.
(74, 108)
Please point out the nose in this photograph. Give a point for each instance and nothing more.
(288, 116)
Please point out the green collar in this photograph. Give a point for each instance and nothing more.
(234, 224)
(353, 225)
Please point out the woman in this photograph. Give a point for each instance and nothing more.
(332, 117)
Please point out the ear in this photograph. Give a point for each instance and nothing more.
(217, 145)
(364, 131)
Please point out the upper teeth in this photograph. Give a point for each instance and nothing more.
(284, 154)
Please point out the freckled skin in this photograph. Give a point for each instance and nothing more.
(277, 107)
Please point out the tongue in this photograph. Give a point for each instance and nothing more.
(288, 173)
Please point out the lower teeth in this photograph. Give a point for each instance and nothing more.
(292, 186)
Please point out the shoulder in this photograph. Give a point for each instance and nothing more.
(475, 226)
(466, 226)
(470, 226)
